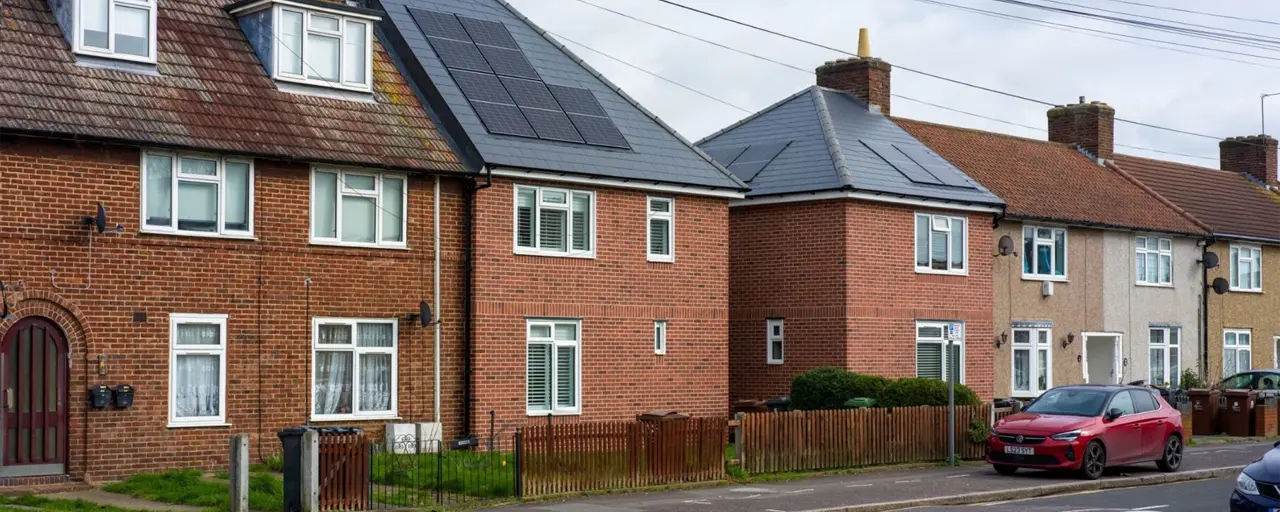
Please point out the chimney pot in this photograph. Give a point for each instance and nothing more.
(1082, 99)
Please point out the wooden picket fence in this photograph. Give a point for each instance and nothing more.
(344, 471)
(575, 457)
(809, 440)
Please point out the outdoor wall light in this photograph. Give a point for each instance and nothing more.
(1004, 338)
(1071, 338)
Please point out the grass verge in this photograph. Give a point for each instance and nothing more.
(187, 487)
(28, 502)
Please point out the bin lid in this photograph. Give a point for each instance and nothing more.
(661, 415)
(294, 431)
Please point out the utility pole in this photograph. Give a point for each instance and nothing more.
(1262, 100)
(951, 398)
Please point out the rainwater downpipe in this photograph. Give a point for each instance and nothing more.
(435, 279)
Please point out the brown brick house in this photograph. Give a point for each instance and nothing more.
(857, 247)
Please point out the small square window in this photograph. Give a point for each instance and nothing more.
(662, 229)
(116, 29)
(554, 222)
(775, 342)
(941, 244)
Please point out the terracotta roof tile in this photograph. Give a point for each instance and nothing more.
(1050, 181)
(1229, 202)
(212, 94)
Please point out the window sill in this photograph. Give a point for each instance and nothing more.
(776, 363)
(1025, 394)
(117, 56)
(535, 252)
(930, 271)
(660, 259)
(353, 245)
(1034, 277)
(1245, 290)
(197, 234)
(214, 424)
(1154, 285)
(352, 417)
(538, 414)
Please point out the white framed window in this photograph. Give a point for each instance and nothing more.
(1044, 253)
(1153, 260)
(660, 337)
(661, 220)
(774, 341)
(931, 350)
(553, 367)
(199, 195)
(197, 370)
(941, 244)
(1236, 351)
(324, 47)
(360, 208)
(1165, 364)
(1246, 268)
(117, 29)
(355, 370)
(554, 221)
(1032, 361)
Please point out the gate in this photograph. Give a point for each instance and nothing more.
(407, 474)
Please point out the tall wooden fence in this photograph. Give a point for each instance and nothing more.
(344, 471)
(806, 440)
(575, 457)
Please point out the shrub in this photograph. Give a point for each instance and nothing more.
(869, 386)
(1191, 380)
(822, 388)
(914, 392)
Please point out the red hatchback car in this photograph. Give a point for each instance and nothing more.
(1088, 428)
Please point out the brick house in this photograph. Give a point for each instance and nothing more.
(1235, 202)
(601, 253)
(1099, 280)
(856, 246)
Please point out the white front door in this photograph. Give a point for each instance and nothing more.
(1101, 360)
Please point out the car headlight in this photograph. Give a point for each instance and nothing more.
(1246, 485)
(1068, 436)
(992, 432)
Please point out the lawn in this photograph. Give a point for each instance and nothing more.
(28, 503)
(478, 474)
(188, 487)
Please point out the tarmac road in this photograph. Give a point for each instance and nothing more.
(1196, 496)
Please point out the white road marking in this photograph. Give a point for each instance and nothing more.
(858, 485)
(960, 476)
(907, 482)
(698, 502)
(772, 510)
(798, 491)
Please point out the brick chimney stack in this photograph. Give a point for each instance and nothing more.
(1090, 125)
(865, 77)
(1254, 155)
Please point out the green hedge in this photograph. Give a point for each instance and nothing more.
(915, 391)
(822, 388)
(831, 388)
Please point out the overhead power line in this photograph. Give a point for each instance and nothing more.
(1213, 34)
(1191, 11)
(1166, 20)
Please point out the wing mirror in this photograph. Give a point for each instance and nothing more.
(1112, 414)
(1277, 445)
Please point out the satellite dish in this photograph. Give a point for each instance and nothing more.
(1221, 286)
(424, 313)
(98, 221)
(1006, 245)
(1210, 260)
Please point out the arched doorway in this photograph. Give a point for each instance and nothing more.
(33, 370)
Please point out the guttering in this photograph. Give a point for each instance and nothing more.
(581, 179)
(867, 196)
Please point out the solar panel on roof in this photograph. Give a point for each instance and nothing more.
(481, 87)
(599, 131)
(935, 165)
(503, 119)
(491, 33)
(459, 55)
(725, 156)
(899, 161)
(754, 158)
(509, 62)
(530, 93)
(439, 24)
(747, 171)
(552, 125)
(576, 100)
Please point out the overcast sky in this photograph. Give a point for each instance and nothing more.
(1189, 92)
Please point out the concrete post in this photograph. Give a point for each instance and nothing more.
(310, 471)
(737, 438)
(239, 473)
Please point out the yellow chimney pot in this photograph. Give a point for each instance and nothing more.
(864, 44)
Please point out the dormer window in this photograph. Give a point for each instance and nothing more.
(325, 45)
(114, 29)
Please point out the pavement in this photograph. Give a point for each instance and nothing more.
(1195, 496)
(893, 490)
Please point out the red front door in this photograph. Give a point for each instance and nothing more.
(33, 358)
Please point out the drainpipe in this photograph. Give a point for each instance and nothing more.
(1204, 310)
(468, 291)
(435, 279)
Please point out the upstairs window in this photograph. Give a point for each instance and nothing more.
(554, 222)
(322, 48)
(198, 195)
(774, 337)
(940, 244)
(358, 208)
(1246, 268)
(1154, 259)
(1044, 253)
(662, 229)
(118, 29)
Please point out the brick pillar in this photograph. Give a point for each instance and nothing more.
(1254, 155)
(1090, 125)
(866, 78)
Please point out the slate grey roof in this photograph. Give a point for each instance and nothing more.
(658, 154)
(826, 128)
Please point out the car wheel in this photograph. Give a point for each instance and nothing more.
(1005, 470)
(1094, 462)
(1172, 458)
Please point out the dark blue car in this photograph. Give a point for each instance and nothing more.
(1258, 486)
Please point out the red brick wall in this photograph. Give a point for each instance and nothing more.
(49, 185)
(617, 295)
(841, 274)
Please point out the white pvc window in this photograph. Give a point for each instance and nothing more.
(553, 366)
(1032, 361)
(355, 368)
(1236, 351)
(941, 244)
(1044, 253)
(118, 29)
(358, 208)
(197, 370)
(1246, 268)
(1165, 365)
(1153, 259)
(323, 48)
(774, 341)
(660, 337)
(932, 356)
(661, 229)
(554, 222)
(197, 194)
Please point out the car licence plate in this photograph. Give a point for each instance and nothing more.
(1020, 450)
